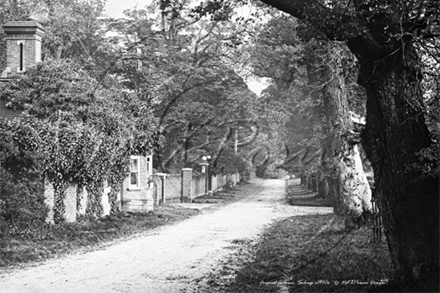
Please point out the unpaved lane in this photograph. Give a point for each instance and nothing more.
(169, 259)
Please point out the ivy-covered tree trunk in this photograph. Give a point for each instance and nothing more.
(395, 133)
(113, 198)
(79, 198)
(59, 209)
(94, 207)
(340, 163)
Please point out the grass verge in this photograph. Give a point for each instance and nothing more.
(53, 241)
(311, 253)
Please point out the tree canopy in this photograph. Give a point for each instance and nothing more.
(178, 70)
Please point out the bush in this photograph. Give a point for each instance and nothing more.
(22, 207)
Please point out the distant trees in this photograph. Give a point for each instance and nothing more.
(306, 75)
(182, 65)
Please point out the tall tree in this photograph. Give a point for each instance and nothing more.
(307, 76)
(386, 37)
(181, 64)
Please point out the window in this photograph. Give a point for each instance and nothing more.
(149, 171)
(134, 173)
(21, 64)
(21, 56)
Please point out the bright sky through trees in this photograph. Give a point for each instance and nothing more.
(115, 8)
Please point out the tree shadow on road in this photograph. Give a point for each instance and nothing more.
(307, 253)
(298, 195)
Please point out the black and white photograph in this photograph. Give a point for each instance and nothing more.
(192, 146)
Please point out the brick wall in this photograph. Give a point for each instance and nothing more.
(173, 185)
(49, 194)
(105, 202)
(158, 190)
(186, 184)
(198, 186)
(218, 181)
(70, 203)
(26, 35)
(234, 178)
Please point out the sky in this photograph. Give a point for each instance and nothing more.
(115, 9)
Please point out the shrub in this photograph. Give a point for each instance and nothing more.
(22, 206)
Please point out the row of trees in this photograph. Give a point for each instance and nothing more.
(395, 45)
(322, 132)
(177, 72)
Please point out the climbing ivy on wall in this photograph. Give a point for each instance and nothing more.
(76, 131)
(59, 208)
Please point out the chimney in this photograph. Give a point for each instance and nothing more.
(23, 46)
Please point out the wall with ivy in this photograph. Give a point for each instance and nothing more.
(75, 202)
(74, 131)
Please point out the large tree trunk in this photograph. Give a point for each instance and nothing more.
(395, 133)
(341, 162)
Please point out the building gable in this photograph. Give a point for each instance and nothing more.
(23, 51)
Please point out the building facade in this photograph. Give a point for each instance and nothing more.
(23, 51)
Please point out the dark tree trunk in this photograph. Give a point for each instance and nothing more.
(304, 180)
(395, 133)
(260, 170)
(309, 182)
(314, 183)
(323, 190)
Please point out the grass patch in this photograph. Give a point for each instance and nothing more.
(310, 253)
(51, 241)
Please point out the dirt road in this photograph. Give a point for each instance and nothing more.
(169, 259)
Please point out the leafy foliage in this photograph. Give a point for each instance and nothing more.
(179, 63)
(22, 206)
(74, 130)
